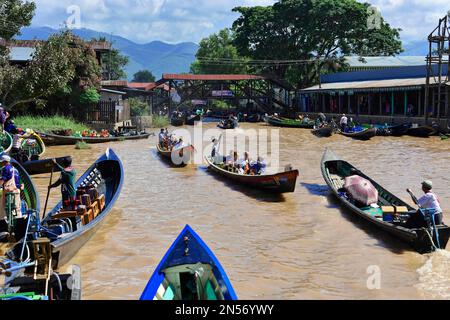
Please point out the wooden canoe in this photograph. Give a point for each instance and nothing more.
(289, 123)
(365, 134)
(400, 130)
(326, 131)
(334, 170)
(189, 263)
(192, 119)
(43, 166)
(184, 154)
(177, 121)
(56, 140)
(229, 126)
(107, 173)
(421, 131)
(284, 182)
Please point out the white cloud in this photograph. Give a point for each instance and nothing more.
(191, 20)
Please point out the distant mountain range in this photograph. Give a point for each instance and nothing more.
(158, 57)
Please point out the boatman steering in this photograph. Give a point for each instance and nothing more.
(66, 181)
(344, 123)
(430, 201)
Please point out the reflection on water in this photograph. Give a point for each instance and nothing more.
(302, 246)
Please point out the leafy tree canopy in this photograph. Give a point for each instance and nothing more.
(320, 30)
(144, 76)
(218, 55)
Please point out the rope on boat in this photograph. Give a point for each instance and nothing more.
(431, 239)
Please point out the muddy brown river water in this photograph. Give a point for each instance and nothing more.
(299, 246)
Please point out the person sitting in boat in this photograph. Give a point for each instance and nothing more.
(259, 167)
(162, 137)
(306, 119)
(431, 202)
(344, 123)
(10, 182)
(215, 148)
(67, 182)
(244, 164)
(16, 150)
(179, 144)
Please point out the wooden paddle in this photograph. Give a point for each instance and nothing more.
(48, 191)
(413, 197)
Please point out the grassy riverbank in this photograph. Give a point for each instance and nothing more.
(160, 122)
(47, 124)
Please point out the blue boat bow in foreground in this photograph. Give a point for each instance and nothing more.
(189, 271)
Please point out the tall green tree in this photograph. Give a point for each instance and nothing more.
(321, 31)
(14, 14)
(218, 55)
(143, 76)
(49, 71)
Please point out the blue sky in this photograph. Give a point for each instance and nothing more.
(191, 20)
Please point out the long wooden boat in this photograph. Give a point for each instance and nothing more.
(227, 126)
(284, 182)
(254, 118)
(326, 131)
(184, 154)
(192, 119)
(43, 166)
(400, 130)
(177, 121)
(53, 139)
(365, 134)
(6, 142)
(421, 131)
(68, 232)
(289, 123)
(189, 271)
(334, 170)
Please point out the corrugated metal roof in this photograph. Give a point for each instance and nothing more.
(21, 53)
(414, 83)
(400, 61)
(212, 77)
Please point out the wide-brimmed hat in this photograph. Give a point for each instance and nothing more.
(427, 184)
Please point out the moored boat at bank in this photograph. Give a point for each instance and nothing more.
(289, 123)
(43, 166)
(326, 131)
(189, 271)
(381, 214)
(421, 131)
(362, 134)
(58, 140)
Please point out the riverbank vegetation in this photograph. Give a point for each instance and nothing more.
(48, 124)
(160, 122)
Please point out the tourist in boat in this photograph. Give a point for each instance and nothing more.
(245, 164)
(10, 181)
(430, 201)
(215, 148)
(16, 150)
(67, 182)
(162, 137)
(259, 167)
(179, 144)
(344, 123)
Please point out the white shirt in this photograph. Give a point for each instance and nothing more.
(344, 120)
(430, 201)
(17, 141)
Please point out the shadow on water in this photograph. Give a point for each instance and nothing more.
(385, 240)
(315, 189)
(248, 191)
